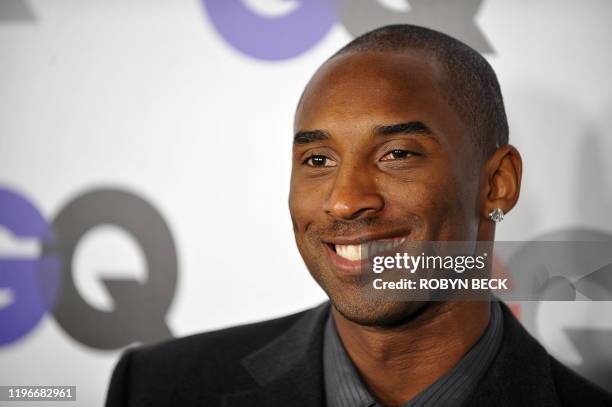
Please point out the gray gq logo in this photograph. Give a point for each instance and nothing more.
(140, 309)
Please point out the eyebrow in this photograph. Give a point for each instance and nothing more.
(403, 128)
(305, 137)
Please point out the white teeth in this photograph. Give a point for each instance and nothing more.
(350, 252)
(353, 252)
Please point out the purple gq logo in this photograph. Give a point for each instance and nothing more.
(284, 36)
(29, 284)
(271, 38)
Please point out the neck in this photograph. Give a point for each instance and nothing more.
(398, 363)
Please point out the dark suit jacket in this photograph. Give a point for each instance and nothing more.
(279, 363)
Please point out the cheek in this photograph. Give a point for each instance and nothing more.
(424, 200)
(305, 203)
(432, 198)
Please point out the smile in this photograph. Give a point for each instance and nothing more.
(350, 258)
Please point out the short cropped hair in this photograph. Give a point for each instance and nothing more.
(471, 84)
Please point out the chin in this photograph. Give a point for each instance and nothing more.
(347, 298)
(379, 313)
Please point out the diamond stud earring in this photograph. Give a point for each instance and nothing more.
(496, 215)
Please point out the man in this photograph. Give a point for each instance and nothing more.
(400, 136)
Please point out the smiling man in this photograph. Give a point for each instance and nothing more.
(401, 136)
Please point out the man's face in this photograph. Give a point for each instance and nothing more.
(379, 156)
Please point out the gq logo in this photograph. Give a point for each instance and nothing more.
(287, 35)
(30, 287)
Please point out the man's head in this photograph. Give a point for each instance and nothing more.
(401, 134)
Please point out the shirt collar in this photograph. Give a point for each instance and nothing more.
(344, 387)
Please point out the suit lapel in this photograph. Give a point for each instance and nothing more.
(520, 375)
(289, 370)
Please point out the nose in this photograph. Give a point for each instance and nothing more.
(354, 194)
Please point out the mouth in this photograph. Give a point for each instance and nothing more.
(352, 257)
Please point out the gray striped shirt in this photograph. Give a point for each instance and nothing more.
(344, 387)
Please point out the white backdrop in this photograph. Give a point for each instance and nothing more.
(147, 96)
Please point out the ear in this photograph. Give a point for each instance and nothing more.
(502, 180)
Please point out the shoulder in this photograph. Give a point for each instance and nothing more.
(575, 390)
(524, 373)
(198, 367)
(215, 347)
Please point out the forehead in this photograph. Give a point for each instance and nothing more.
(369, 87)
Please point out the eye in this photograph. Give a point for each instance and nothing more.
(398, 155)
(318, 160)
